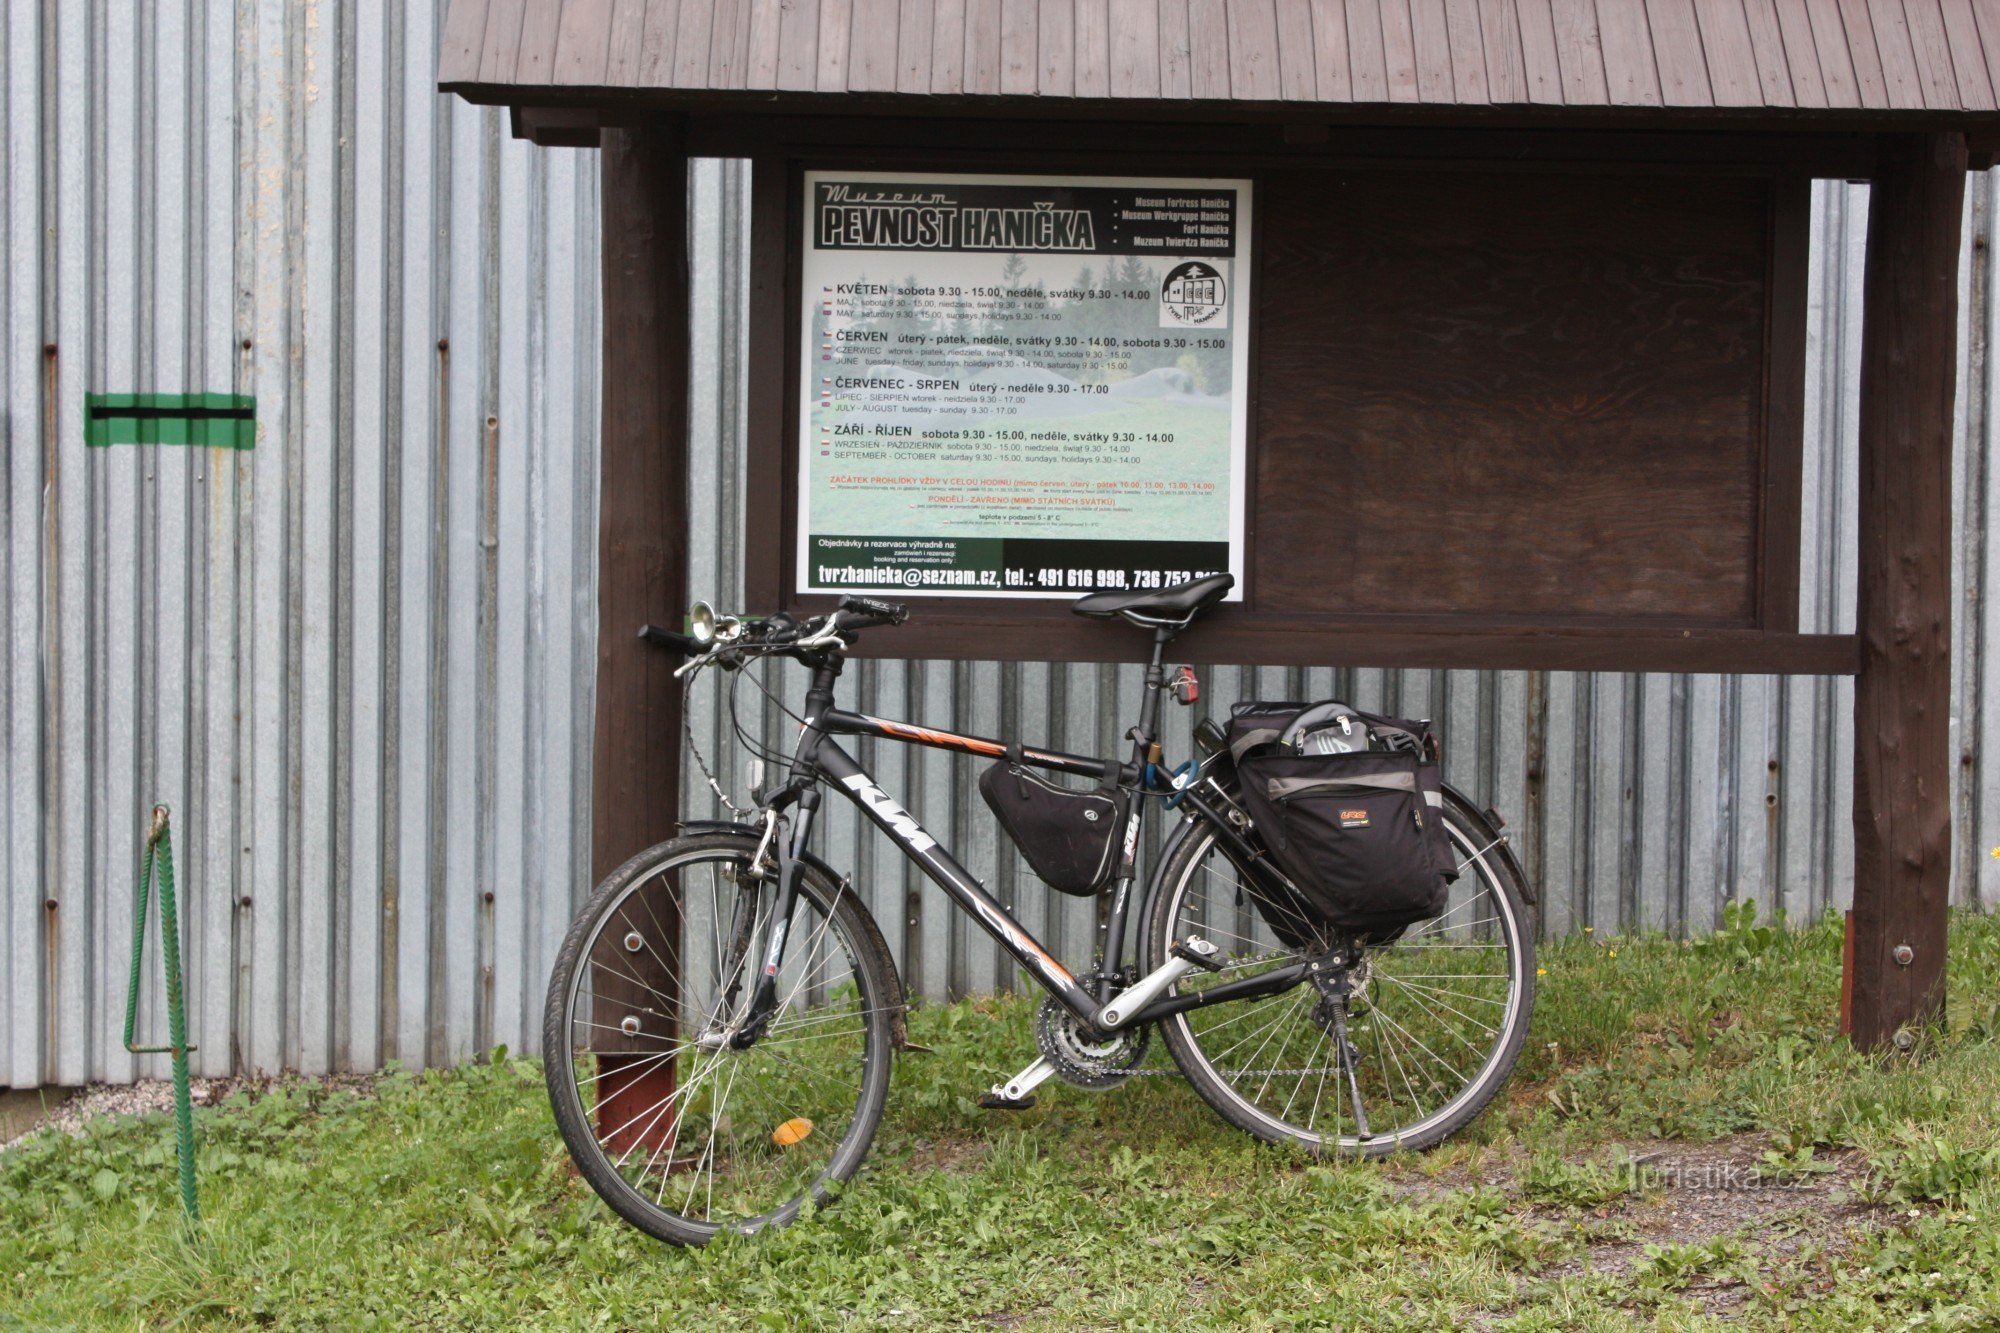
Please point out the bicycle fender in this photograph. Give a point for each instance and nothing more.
(1476, 817)
(899, 1030)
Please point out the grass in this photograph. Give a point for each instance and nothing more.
(443, 1200)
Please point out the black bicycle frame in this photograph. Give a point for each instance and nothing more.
(818, 755)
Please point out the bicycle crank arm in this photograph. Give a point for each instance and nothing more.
(1193, 952)
(1014, 1092)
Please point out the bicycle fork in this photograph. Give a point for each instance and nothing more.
(740, 1035)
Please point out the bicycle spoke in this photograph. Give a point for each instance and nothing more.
(1436, 1006)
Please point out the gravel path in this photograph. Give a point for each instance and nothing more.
(151, 1096)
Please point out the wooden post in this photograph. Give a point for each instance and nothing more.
(1902, 697)
(642, 527)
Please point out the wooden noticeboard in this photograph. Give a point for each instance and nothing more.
(1539, 415)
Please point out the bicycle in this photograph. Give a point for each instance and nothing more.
(729, 1010)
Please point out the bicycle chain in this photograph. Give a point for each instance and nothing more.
(1243, 1073)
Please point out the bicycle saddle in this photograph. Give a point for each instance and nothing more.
(1181, 602)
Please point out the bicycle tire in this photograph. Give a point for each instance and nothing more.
(867, 1017)
(1497, 874)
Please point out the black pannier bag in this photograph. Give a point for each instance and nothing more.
(1350, 806)
(1069, 837)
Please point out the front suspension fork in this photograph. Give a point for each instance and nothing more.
(791, 864)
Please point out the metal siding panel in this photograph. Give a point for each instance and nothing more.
(172, 616)
(360, 1044)
(212, 953)
(522, 365)
(21, 547)
(318, 321)
(417, 429)
(455, 929)
(1562, 910)
(1983, 680)
(1653, 771)
(263, 744)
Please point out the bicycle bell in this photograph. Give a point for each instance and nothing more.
(705, 626)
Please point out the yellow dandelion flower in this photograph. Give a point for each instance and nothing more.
(1541, 971)
(1614, 953)
(1590, 930)
(1995, 853)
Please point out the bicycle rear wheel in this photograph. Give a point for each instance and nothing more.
(680, 1132)
(1436, 1023)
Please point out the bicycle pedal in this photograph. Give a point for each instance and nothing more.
(993, 1101)
(1198, 951)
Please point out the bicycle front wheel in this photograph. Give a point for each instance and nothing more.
(1434, 1027)
(683, 1134)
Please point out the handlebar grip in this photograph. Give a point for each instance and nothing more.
(666, 638)
(887, 613)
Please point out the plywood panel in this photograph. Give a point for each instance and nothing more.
(1630, 75)
(1975, 83)
(1020, 50)
(1540, 63)
(1329, 22)
(1135, 48)
(1174, 80)
(1399, 51)
(1253, 50)
(1055, 42)
(1511, 395)
(1733, 74)
(583, 42)
(1677, 52)
(1579, 50)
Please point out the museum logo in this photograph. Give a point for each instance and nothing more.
(1194, 296)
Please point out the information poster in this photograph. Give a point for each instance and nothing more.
(1021, 386)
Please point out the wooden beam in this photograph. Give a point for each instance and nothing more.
(641, 577)
(556, 127)
(1230, 637)
(1902, 696)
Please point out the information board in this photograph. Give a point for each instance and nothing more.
(1021, 386)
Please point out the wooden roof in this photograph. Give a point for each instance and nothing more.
(1936, 56)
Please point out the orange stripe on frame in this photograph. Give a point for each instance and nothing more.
(930, 737)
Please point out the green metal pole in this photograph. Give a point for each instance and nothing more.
(160, 851)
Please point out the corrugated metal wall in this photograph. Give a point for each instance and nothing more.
(355, 660)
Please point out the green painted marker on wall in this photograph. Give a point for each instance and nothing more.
(210, 420)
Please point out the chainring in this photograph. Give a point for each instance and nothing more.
(1085, 1059)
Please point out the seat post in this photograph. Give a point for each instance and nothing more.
(1149, 711)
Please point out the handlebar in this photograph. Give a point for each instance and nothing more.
(861, 612)
(666, 638)
(784, 631)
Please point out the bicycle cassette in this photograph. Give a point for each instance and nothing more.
(1084, 1058)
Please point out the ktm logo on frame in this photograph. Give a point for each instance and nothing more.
(900, 821)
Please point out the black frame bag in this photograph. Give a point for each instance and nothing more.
(1069, 836)
(1360, 833)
